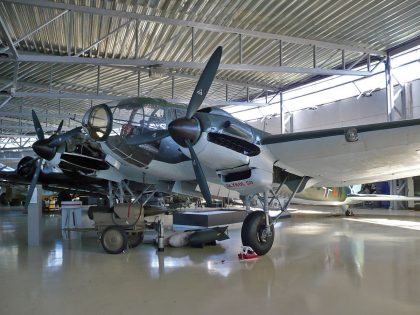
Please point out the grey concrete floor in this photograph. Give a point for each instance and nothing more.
(316, 266)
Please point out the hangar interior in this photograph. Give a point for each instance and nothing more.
(287, 67)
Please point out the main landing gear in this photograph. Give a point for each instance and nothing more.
(347, 210)
(258, 227)
(256, 233)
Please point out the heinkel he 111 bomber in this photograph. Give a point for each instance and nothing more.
(174, 148)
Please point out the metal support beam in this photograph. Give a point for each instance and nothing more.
(178, 64)
(7, 100)
(390, 116)
(80, 53)
(281, 113)
(280, 53)
(98, 80)
(389, 88)
(173, 38)
(107, 97)
(15, 77)
(196, 77)
(34, 220)
(8, 38)
(69, 32)
(156, 85)
(240, 48)
(138, 82)
(35, 30)
(192, 44)
(261, 52)
(137, 46)
(196, 25)
(173, 87)
(358, 61)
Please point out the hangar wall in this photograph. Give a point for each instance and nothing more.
(347, 112)
(351, 111)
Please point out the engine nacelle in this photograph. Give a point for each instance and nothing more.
(226, 158)
(26, 167)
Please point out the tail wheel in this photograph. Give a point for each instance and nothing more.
(135, 240)
(256, 234)
(114, 240)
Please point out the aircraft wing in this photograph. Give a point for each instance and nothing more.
(59, 181)
(351, 155)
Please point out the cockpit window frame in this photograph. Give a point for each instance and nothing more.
(139, 104)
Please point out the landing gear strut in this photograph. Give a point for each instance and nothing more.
(258, 227)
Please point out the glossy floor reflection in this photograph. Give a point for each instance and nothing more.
(317, 266)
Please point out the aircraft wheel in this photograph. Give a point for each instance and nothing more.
(349, 213)
(90, 213)
(3, 200)
(254, 233)
(15, 202)
(135, 240)
(114, 240)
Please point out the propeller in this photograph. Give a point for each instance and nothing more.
(186, 131)
(46, 149)
(204, 83)
(33, 183)
(60, 126)
(199, 175)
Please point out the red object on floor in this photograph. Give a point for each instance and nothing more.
(247, 253)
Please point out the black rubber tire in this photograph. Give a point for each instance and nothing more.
(250, 233)
(349, 213)
(135, 240)
(15, 202)
(90, 213)
(3, 200)
(114, 240)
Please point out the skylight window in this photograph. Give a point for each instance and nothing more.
(406, 68)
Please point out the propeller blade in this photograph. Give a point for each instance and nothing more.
(38, 127)
(199, 175)
(59, 127)
(204, 83)
(60, 139)
(147, 137)
(33, 183)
